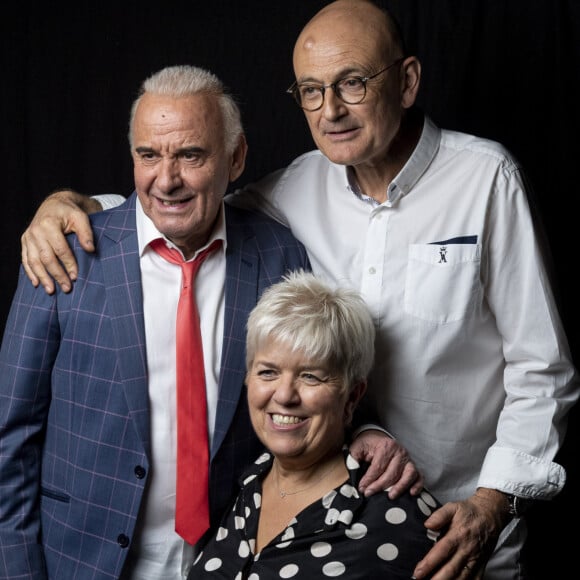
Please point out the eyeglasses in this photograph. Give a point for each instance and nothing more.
(350, 90)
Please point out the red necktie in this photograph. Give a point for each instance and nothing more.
(192, 501)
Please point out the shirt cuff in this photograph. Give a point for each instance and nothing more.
(521, 474)
(109, 200)
(368, 427)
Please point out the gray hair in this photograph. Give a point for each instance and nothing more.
(331, 325)
(185, 80)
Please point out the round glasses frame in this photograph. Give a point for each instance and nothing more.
(356, 82)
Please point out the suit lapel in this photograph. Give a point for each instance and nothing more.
(241, 293)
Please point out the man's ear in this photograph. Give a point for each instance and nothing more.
(239, 158)
(410, 81)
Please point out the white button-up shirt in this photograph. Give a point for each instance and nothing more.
(157, 551)
(473, 373)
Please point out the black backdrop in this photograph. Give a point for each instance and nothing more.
(504, 69)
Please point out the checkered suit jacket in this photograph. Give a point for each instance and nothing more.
(74, 417)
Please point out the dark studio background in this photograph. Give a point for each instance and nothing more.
(504, 69)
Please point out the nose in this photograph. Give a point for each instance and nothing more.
(286, 392)
(333, 107)
(169, 175)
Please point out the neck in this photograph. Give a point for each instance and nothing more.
(374, 180)
(291, 481)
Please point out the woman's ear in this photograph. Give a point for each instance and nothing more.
(354, 396)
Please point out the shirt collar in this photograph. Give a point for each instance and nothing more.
(416, 165)
(147, 232)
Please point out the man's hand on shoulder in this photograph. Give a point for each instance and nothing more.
(390, 466)
(46, 255)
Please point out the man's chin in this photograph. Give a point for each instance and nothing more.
(340, 158)
(341, 153)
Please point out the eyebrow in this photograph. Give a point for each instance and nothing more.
(352, 71)
(181, 151)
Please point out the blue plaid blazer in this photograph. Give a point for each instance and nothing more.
(74, 416)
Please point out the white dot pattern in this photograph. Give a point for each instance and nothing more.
(244, 550)
(333, 569)
(396, 515)
(342, 535)
(356, 532)
(387, 552)
(213, 564)
(320, 549)
(289, 571)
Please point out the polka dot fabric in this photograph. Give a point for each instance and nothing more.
(342, 535)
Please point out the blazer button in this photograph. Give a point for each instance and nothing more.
(140, 472)
(122, 540)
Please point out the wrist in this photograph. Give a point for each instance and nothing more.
(517, 506)
(69, 196)
(508, 505)
(497, 502)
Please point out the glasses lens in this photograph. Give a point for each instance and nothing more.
(351, 90)
(309, 96)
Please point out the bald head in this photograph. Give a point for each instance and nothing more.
(344, 25)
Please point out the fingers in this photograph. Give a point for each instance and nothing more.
(447, 560)
(443, 517)
(47, 259)
(33, 266)
(472, 570)
(463, 550)
(29, 272)
(419, 484)
(399, 476)
(46, 255)
(410, 479)
(80, 224)
(390, 468)
(468, 572)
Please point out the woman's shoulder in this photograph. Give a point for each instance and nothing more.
(420, 506)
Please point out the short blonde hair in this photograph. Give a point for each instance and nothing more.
(331, 325)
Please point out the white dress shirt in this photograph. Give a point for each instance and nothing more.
(157, 551)
(473, 373)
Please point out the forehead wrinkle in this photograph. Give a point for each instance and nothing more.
(329, 60)
(169, 124)
(169, 140)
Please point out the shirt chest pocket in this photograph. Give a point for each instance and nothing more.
(443, 281)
